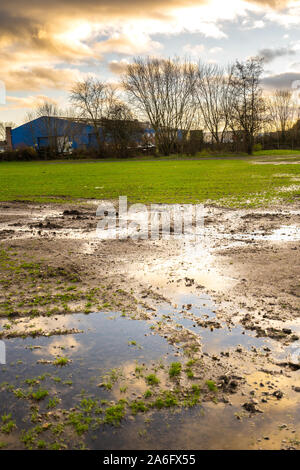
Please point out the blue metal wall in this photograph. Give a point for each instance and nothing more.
(36, 133)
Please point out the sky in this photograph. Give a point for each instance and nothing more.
(46, 47)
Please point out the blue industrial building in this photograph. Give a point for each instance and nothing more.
(65, 133)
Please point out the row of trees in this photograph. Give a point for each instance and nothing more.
(178, 98)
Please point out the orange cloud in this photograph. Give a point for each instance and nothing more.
(29, 101)
(36, 78)
(118, 67)
(38, 39)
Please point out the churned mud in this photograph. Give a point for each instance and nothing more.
(140, 343)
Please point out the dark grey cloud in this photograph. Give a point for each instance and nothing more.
(281, 80)
(271, 54)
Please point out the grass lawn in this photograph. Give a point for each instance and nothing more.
(231, 182)
(278, 152)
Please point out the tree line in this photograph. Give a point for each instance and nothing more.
(187, 105)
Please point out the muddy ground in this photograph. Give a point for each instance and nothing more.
(227, 305)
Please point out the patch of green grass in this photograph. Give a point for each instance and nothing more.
(138, 407)
(152, 379)
(79, 421)
(212, 385)
(5, 418)
(53, 402)
(19, 393)
(114, 414)
(88, 404)
(56, 379)
(61, 361)
(68, 382)
(41, 444)
(28, 438)
(107, 385)
(175, 369)
(276, 152)
(174, 181)
(39, 395)
(189, 373)
(8, 424)
(35, 380)
(193, 397)
(139, 370)
(166, 400)
(191, 362)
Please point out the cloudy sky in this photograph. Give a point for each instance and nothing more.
(44, 48)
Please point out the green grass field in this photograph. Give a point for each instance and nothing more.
(231, 182)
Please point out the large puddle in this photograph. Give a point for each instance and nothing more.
(110, 347)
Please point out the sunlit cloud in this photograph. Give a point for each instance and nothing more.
(28, 101)
(48, 46)
(36, 78)
(215, 50)
(194, 49)
(130, 43)
(118, 67)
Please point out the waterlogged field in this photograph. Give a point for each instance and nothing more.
(150, 344)
(231, 182)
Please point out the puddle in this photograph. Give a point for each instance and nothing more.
(102, 345)
(216, 340)
(108, 343)
(284, 233)
(215, 427)
(112, 342)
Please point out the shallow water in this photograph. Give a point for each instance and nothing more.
(218, 340)
(104, 345)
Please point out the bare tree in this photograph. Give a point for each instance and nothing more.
(249, 109)
(57, 127)
(122, 132)
(283, 111)
(162, 90)
(213, 94)
(93, 99)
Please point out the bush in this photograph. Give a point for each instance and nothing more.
(257, 148)
(22, 154)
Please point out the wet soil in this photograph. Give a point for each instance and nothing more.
(225, 308)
